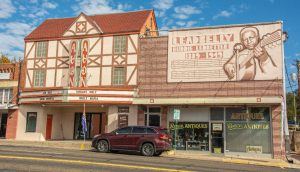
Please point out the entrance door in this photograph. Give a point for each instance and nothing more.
(49, 127)
(217, 139)
(95, 124)
(3, 123)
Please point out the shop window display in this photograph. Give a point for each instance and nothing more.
(248, 131)
(191, 136)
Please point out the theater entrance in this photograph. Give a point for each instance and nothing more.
(95, 124)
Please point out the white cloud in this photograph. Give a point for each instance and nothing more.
(24, 15)
(42, 12)
(180, 16)
(97, 7)
(49, 5)
(34, 1)
(124, 7)
(31, 15)
(292, 66)
(159, 14)
(22, 8)
(180, 23)
(203, 3)
(222, 14)
(17, 28)
(187, 9)
(202, 18)
(174, 27)
(170, 22)
(190, 24)
(272, 1)
(141, 7)
(11, 45)
(297, 54)
(163, 4)
(6, 8)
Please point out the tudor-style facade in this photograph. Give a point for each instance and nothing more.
(69, 62)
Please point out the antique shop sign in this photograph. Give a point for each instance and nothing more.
(231, 126)
(183, 126)
(254, 149)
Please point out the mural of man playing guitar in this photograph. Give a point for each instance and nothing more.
(251, 50)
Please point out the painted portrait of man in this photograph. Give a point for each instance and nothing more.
(250, 57)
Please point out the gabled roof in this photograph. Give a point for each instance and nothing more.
(109, 23)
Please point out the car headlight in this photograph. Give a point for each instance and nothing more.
(97, 135)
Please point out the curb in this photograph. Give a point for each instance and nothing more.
(256, 163)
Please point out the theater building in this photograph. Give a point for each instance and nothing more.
(85, 61)
(227, 83)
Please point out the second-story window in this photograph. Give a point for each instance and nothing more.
(119, 76)
(39, 78)
(120, 44)
(6, 95)
(41, 49)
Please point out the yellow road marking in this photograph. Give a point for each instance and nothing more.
(255, 163)
(98, 163)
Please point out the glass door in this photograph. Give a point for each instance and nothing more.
(78, 134)
(217, 138)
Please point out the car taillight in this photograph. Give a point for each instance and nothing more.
(162, 136)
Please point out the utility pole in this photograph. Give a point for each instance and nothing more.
(298, 70)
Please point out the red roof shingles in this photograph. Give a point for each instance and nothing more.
(108, 23)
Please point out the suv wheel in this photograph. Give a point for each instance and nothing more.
(102, 146)
(158, 153)
(147, 149)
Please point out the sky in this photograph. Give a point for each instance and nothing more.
(20, 17)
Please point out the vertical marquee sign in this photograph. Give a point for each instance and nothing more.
(73, 53)
(85, 49)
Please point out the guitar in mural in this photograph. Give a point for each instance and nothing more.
(243, 63)
(85, 48)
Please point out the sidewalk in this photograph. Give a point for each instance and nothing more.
(76, 144)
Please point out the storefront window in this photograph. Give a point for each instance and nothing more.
(248, 130)
(191, 135)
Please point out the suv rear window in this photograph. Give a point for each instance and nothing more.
(138, 130)
(165, 131)
(151, 131)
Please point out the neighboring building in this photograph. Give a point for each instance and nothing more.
(229, 96)
(69, 62)
(9, 79)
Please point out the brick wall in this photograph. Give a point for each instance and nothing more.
(153, 63)
(12, 123)
(276, 123)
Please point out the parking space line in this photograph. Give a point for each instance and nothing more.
(96, 163)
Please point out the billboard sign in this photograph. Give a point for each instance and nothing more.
(225, 53)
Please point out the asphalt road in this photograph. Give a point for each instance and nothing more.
(17, 158)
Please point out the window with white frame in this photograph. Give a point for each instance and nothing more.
(119, 76)
(153, 116)
(39, 78)
(6, 95)
(41, 49)
(120, 44)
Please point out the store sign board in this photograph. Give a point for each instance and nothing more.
(217, 127)
(186, 125)
(4, 75)
(241, 126)
(254, 149)
(176, 114)
(224, 53)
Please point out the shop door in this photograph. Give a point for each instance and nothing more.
(217, 138)
(49, 127)
(3, 123)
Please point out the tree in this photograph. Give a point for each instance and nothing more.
(5, 59)
(290, 105)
